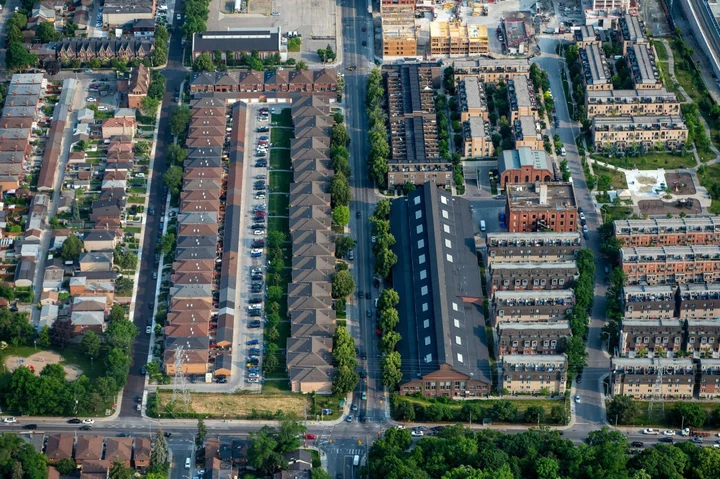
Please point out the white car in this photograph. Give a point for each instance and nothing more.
(140, 175)
(91, 99)
(416, 432)
(400, 427)
(577, 398)
(103, 108)
(148, 330)
(258, 232)
(88, 421)
(253, 380)
(668, 432)
(9, 420)
(260, 196)
(651, 432)
(256, 251)
(373, 238)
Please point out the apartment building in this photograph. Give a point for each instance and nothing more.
(532, 276)
(669, 132)
(526, 375)
(653, 337)
(698, 301)
(476, 141)
(524, 165)
(521, 97)
(645, 102)
(540, 207)
(399, 35)
(247, 85)
(632, 32)
(641, 62)
(454, 38)
(538, 247)
(394, 6)
(596, 71)
(443, 345)
(491, 70)
(527, 133)
(640, 378)
(649, 302)
(415, 153)
(541, 338)
(703, 337)
(586, 35)
(531, 306)
(671, 264)
(709, 370)
(473, 100)
(696, 230)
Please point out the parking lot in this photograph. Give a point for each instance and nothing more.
(314, 20)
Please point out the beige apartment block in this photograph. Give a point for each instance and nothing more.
(532, 306)
(534, 374)
(595, 68)
(538, 247)
(639, 378)
(399, 35)
(491, 70)
(654, 337)
(641, 62)
(668, 132)
(473, 100)
(477, 142)
(649, 302)
(453, 38)
(631, 102)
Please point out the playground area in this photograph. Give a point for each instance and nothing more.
(646, 183)
(36, 362)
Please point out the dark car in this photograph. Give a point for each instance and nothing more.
(75, 421)
(258, 243)
(167, 434)
(367, 295)
(30, 426)
(85, 428)
(255, 300)
(376, 282)
(221, 380)
(138, 398)
(254, 351)
(254, 324)
(260, 164)
(369, 313)
(252, 342)
(637, 444)
(364, 43)
(668, 440)
(358, 215)
(254, 313)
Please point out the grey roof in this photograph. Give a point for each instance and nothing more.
(96, 257)
(524, 156)
(238, 40)
(436, 270)
(189, 343)
(99, 235)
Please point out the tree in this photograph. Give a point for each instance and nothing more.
(271, 362)
(503, 411)
(688, 414)
(159, 455)
(117, 313)
(389, 319)
(66, 465)
(173, 179)
(71, 248)
(44, 337)
(289, 432)
(61, 331)
(384, 261)
(343, 244)
(534, 415)
(389, 340)
(176, 154)
(45, 32)
(341, 215)
(262, 454)
(179, 120)
(120, 334)
(604, 182)
(167, 243)
(388, 299)
(391, 372)
(204, 63)
(90, 344)
(343, 284)
(301, 65)
(150, 105)
(558, 415)
(7, 292)
(547, 467)
(201, 434)
(622, 409)
(340, 190)
(382, 210)
(52, 67)
(121, 471)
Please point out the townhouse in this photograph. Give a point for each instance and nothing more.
(702, 337)
(491, 70)
(521, 97)
(645, 102)
(671, 264)
(531, 306)
(641, 63)
(473, 99)
(645, 378)
(526, 375)
(247, 85)
(667, 132)
(532, 247)
(540, 338)
(532, 276)
(696, 230)
(596, 72)
(698, 301)
(86, 49)
(477, 141)
(709, 372)
(649, 302)
(651, 337)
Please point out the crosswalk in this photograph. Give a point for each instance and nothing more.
(340, 451)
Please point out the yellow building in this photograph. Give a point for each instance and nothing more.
(649, 131)
(532, 374)
(399, 35)
(631, 102)
(453, 38)
(640, 378)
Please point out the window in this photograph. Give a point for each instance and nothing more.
(445, 214)
(425, 307)
(419, 229)
(455, 307)
(421, 259)
(501, 312)
(418, 214)
(561, 282)
(426, 323)
(427, 340)
(416, 200)
(553, 343)
(423, 274)
(428, 358)
(446, 228)
(449, 258)
(459, 357)
(421, 243)
(424, 291)
(448, 243)
(456, 322)
(458, 340)
(443, 199)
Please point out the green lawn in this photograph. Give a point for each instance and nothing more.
(651, 161)
(278, 204)
(138, 190)
(280, 159)
(710, 175)
(612, 213)
(283, 118)
(136, 200)
(280, 181)
(132, 229)
(284, 329)
(643, 420)
(276, 385)
(619, 181)
(71, 353)
(661, 51)
(280, 137)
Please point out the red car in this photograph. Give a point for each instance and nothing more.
(310, 436)
(378, 332)
(260, 214)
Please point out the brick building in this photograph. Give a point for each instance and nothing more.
(524, 166)
(657, 337)
(541, 207)
(531, 306)
(698, 301)
(696, 230)
(649, 302)
(532, 276)
(703, 337)
(542, 338)
(709, 370)
(534, 247)
(671, 264)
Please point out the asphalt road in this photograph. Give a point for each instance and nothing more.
(175, 74)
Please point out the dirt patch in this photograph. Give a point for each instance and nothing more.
(680, 183)
(236, 406)
(38, 361)
(689, 206)
(262, 7)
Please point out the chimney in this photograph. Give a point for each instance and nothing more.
(542, 190)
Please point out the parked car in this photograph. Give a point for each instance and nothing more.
(73, 421)
(254, 324)
(30, 426)
(10, 420)
(637, 444)
(88, 428)
(253, 342)
(651, 432)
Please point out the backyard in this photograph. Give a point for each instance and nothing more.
(283, 118)
(280, 159)
(280, 137)
(650, 161)
(619, 182)
(280, 181)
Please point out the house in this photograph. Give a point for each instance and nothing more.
(118, 126)
(49, 297)
(95, 469)
(119, 449)
(138, 86)
(299, 465)
(43, 12)
(25, 273)
(48, 315)
(53, 278)
(88, 448)
(99, 241)
(96, 261)
(59, 446)
(141, 452)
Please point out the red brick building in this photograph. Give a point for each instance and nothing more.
(698, 230)
(671, 264)
(541, 207)
(709, 378)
